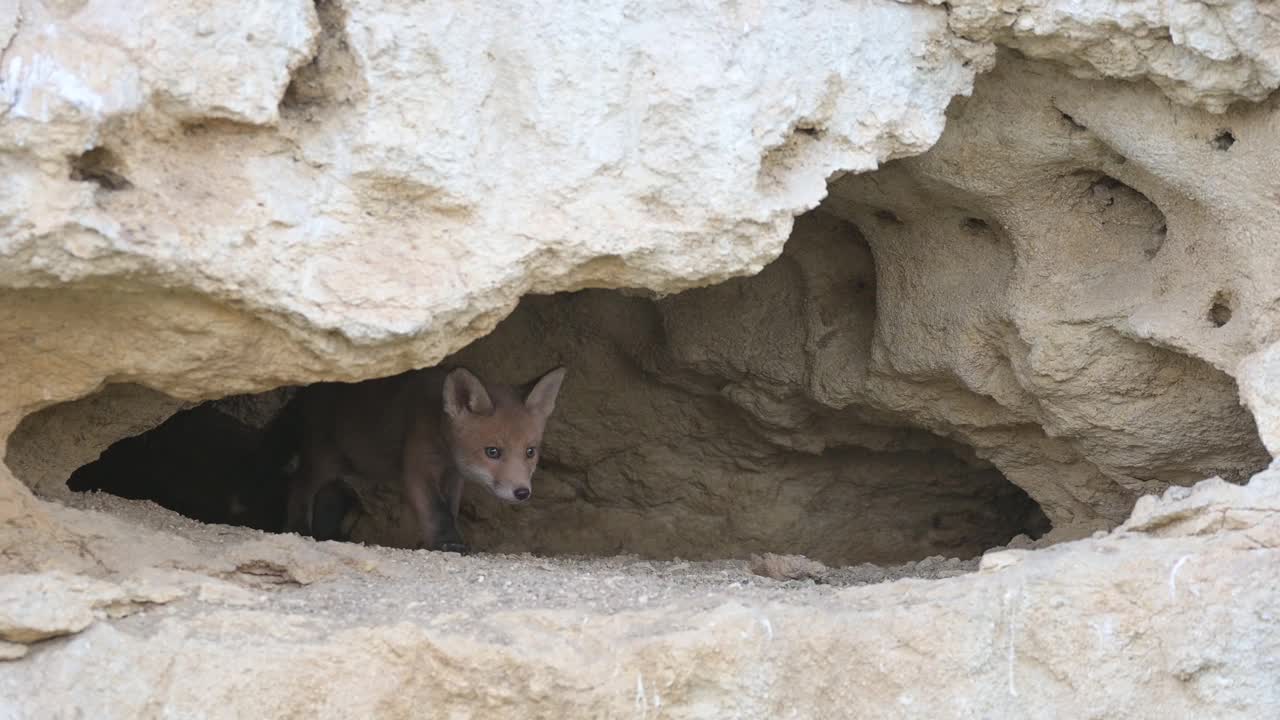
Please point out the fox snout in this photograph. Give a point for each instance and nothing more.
(517, 494)
(512, 482)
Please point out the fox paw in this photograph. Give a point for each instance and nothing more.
(460, 548)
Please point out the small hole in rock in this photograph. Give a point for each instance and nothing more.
(812, 132)
(888, 217)
(1224, 140)
(1220, 310)
(101, 166)
(976, 225)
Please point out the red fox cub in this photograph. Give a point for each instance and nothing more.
(429, 430)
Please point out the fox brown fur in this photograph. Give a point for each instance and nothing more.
(428, 430)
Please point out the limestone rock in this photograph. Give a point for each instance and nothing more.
(1196, 634)
(1260, 390)
(332, 216)
(12, 651)
(1059, 300)
(1209, 54)
(786, 567)
(39, 606)
(319, 239)
(1063, 265)
(84, 64)
(1209, 507)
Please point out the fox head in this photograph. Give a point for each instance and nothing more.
(495, 433)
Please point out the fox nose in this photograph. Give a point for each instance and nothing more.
(522, 494)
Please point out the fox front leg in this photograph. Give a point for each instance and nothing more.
(451, 484)
(428, 511)
(431, 507)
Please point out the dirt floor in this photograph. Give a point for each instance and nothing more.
(134, 611)
(441, 590)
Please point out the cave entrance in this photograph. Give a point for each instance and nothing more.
(717, 423)
(708, 496)
(198, 463)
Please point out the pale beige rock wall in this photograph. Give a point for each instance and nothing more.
(1070, 282)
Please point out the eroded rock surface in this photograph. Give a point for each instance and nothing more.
(1184, 611)
(1198, 53)
(1052, 288)
(1070, 287)
(428, 165)
(1062, 294)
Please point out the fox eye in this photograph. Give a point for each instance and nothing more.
(492, 453)
(530, 452)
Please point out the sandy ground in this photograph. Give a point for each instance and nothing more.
(1172, 612)
(445, 589)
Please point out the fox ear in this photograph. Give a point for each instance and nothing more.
(542, 398)
(464, 393)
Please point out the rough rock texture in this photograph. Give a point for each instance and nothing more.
(528, 147)
(690, 426)
(424, 167)
(183, 235)
(635, 467)
(199, 200)
(1026, 300)
(1175, 612)
(1068, 274)
(1199, 53)
(1258, 387)
(36, 607)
